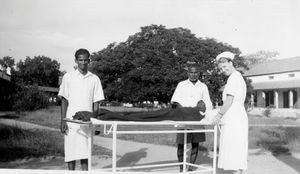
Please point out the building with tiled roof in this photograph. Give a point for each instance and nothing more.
(276, 83)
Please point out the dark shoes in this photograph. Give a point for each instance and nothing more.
(190, 168)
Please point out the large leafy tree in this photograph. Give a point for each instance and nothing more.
(150, 63)
(39, 70)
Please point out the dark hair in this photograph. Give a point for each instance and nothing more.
(82, 51)
(225, 58)
(221, 60)
(192, 64)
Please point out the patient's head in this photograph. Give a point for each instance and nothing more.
(201, 106)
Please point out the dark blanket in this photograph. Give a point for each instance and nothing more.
(176, 114)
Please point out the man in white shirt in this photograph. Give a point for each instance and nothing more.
(80, 90)
(187, 94)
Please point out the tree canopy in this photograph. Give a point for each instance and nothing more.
(150, 63)
(39, 70)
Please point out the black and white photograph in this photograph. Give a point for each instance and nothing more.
(150, 86)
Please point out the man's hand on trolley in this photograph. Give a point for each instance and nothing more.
(64, 129)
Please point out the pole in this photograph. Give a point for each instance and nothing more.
(184, 151)
(114, 150)
(215, 149)
(90, 144)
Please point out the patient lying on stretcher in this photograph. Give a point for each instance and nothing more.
(174, 114)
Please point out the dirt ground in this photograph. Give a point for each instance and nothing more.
(259, 161)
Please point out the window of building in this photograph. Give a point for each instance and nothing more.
(271, 77)
(292, 75)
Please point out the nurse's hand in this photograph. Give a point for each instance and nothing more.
(216, 119)
(64, 127)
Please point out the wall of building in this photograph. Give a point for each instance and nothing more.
(276, 77)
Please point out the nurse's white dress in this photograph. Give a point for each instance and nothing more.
(233, 147)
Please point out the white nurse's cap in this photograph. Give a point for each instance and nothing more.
(226, 54)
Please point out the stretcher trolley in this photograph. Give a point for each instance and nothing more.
(114, 125)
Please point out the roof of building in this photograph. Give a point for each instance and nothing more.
(275, 67)
(277, 84)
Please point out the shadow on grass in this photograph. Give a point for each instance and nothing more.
(283, 154)
(17, 143)
(276, 141)
(43, 163)
(11, 154)
(10, 116)
(290, 161)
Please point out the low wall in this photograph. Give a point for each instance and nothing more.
(280, 112)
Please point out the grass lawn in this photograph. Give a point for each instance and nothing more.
(277, 139)
(17, 143)
(47, 117)
(255, 119)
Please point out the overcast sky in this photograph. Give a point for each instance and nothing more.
(57, 28)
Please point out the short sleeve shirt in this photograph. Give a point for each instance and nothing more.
(188, 94)
(81, 91)
(236, 87)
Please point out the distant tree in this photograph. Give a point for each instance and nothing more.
(39, 70)
(260, 57)
(8, 61)
(150, 63)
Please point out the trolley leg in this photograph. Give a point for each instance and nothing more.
(184, 152)
(215, 149)
(90, 145)
(114, 150)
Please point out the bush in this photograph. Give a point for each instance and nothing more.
(115, 103)
(29, 98)
(267, 111)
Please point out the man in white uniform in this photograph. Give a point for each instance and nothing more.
(80, 90)
(187, 94)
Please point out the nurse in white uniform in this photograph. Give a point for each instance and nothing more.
(233, 147)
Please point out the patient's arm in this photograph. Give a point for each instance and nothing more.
(201, 106)
(175, 105)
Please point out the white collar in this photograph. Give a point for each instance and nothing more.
(196, 84)
(84, 76)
